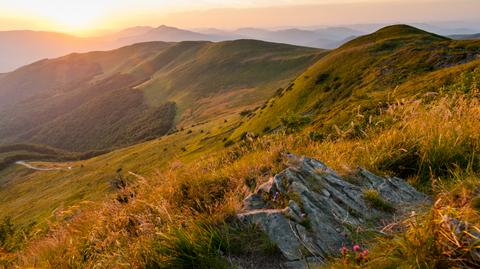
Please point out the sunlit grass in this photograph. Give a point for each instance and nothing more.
(184, 214)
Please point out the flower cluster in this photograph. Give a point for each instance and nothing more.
(356, 256)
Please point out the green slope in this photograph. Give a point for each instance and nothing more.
(18, 152)
(395, 62)
(358, 75)
(40, 193)
(39, 99)
(104, 100)
(246, 71)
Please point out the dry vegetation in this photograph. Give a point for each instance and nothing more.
(184, 215)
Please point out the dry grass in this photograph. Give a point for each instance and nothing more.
(448, 236)
(184, 215)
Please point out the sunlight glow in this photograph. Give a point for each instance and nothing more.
(79, 17)
(73, 16)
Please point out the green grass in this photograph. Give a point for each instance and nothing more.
(375, 200)
(9, 154)
(39, 193)
(105, 100)
(170, 209)
(202, 246)
(181, 203)
(365, 75)
(246, 71)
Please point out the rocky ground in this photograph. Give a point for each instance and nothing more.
(307, 210)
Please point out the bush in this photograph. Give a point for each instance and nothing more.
(7, 230)
(316, 136)
(322, 78)
(294, 122)
(246, 112)
(228, 143)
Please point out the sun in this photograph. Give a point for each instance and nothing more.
(72, 16)
(74, 21)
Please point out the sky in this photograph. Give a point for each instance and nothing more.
(86, 17)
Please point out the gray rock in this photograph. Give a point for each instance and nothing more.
(320, 205)
(253, 202)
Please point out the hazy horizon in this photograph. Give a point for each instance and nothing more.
(89, 18)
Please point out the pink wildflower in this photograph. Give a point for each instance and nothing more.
(356, 248)
(344, 250)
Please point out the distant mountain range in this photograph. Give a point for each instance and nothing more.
(466, 37)
(18, 48)
(327, 38)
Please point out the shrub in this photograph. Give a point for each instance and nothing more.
(322, 78)
(316, 136)
(250, 182)
(228, 143)
(246, 112)
(278, 92)
(7, 230)
(294, 122)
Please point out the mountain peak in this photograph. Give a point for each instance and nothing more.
(399, 31)
(166, 27)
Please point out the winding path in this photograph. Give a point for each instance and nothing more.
(27, 165)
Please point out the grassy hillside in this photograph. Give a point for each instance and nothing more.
(95, 178)
(103, 100)
(182, 215)
(395, 62)
(400, 102)
(46, 91)
(9, 154)
(246, 71)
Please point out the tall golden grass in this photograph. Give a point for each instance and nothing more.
(185, 214)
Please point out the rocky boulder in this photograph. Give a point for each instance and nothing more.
(307, 209)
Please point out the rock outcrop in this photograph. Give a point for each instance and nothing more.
(307, 209)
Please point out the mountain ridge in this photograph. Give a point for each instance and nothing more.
(378, 59)
(52, 45)
(146, 80)
(402, 103)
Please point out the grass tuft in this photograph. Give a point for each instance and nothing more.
(375, 200)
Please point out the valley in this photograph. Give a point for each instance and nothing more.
(143, 156)
(152, 83)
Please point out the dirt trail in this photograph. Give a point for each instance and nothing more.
(27, 165)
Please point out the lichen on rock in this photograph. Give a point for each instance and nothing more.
(306, 209)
